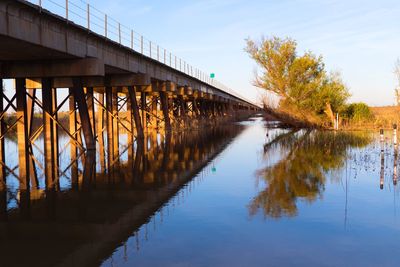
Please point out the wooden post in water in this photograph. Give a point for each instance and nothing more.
(115, 132)
(73, 139)
(154, 111)
(131, 137)
(55, 137)
(382, 140)
(165, 110)
(2, 147)
(30, 115)
(100, 128)
(22, 134)
(84, 114)
(135, 110)
(48, 131)
(110, 147)
(90, 104)
(144, 109)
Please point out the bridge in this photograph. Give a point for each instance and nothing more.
(109, 78)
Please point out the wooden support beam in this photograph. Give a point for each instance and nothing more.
(115, 129)
(53, 68)
(143, 100)
(73, 133)
(165, 110)
(30, 115)
(89, 170)
(109, 111)
(100, 126)
(90, 104)
(135, 110)
(2, 147)
(131, 137)
(22, 134)
(154, 111)
(55, 138)
(84, 115)
(48, 130)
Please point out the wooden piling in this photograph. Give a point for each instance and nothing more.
(110, 142)
(48, 131)
(165, 110)
(74, 138)
(22, 134)
(2, 147)
(135, 111)
(115, 130)
(84, 114)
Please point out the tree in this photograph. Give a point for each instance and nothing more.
(300, 81)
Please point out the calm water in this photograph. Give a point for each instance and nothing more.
(242, 195)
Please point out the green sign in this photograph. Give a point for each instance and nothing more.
(212, 75)
(214, 170)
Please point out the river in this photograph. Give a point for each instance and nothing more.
(248, 194)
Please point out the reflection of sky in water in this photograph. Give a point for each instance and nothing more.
(352, 222)
(345, 219)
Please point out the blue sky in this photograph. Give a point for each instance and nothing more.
(359, 38)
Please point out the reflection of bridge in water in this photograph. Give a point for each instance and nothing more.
(83, 224)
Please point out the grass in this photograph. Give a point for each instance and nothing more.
(383, 118)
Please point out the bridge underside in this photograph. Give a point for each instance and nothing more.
(106, 88)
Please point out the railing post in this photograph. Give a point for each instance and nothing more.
(119, 32)
(165, 57)
(141, 44)
(40, 5)
(105, 25)
(170, 59)
(66, 9)
(158, 53)
(132, 39)
(88, 16)
(150, 48)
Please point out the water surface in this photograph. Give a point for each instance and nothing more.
(243, 195)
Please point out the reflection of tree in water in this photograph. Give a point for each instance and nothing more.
(302, 173)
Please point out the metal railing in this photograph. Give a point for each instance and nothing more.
(82, 13)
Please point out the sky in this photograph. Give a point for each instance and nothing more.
(359, 38)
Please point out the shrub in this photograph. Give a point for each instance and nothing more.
(358, 112)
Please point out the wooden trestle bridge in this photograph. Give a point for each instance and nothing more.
(109, 79)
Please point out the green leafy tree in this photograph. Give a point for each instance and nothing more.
(299, 80)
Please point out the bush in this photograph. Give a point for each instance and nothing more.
(358, 112)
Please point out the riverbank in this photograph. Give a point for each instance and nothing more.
(383, 118)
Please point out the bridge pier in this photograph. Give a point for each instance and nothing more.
(115, 124)
(83, 114)
(73, 133)
(100, 129)
(22, 134)
(50, 137)
(109, 122)
(2, 138)
(135, 111)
